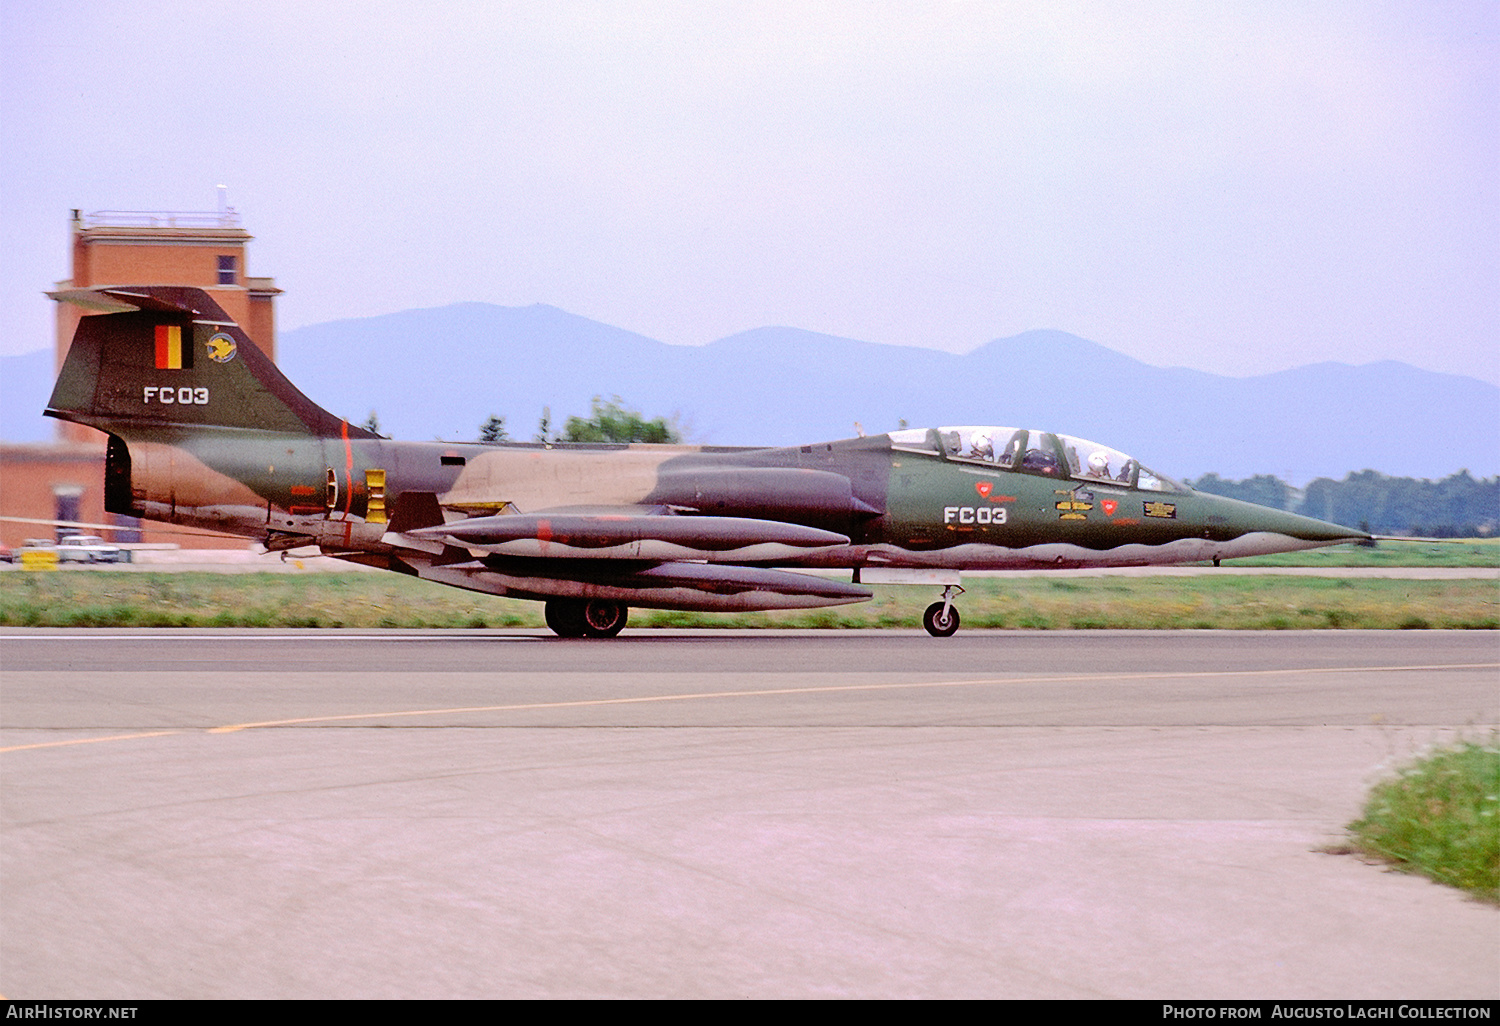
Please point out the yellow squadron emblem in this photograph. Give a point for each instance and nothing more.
(221, 348)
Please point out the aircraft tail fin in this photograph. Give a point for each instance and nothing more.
(158, 355)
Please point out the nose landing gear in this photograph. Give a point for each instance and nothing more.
(941, 619)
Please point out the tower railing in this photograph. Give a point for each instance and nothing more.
(227, 218)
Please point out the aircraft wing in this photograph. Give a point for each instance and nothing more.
(632, 534)
(643, 555)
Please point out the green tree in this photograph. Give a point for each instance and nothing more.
(493, 430)
(372, 423)
(1457, 506)
(1262, 489)
(611, 421)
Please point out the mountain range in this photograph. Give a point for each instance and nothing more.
(440, 373)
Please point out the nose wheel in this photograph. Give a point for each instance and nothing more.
(941, 619)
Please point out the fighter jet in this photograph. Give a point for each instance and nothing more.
(205, 431)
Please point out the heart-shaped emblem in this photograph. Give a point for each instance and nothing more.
(984, 488)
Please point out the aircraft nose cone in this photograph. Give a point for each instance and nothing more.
(1313, 529)
(1304, 528)
(1246, 518)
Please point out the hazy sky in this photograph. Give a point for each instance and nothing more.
(1237, 187)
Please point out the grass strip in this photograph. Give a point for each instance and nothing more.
(1440, 817)
(365, 600)
(1468, 552)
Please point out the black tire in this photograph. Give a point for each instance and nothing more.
(938, 625)
(565, 617)
(603, 619)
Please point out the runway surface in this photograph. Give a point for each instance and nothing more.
(724, 814)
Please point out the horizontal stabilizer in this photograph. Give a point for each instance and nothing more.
(160, 355)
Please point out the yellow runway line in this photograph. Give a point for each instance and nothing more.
(88, 740)
(832, 689)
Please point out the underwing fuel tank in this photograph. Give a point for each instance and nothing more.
(696, 586)
(623, 536)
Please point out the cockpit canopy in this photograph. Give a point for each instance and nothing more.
(1035, 452)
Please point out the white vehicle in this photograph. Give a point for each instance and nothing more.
(86, 548)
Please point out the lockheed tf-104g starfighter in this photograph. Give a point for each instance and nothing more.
(205, 431)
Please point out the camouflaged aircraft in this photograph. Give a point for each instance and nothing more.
(205, 431)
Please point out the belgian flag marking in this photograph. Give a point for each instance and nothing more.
(170, 354)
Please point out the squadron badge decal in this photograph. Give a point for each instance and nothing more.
(221, 348)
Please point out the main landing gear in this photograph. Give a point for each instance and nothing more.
(941, 619)
(591, 618)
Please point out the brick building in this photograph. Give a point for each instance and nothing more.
(65, 480)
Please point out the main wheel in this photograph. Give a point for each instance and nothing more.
(938, 625)
(566, 618)
(604, 619)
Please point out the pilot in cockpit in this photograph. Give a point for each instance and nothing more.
(1040, 461)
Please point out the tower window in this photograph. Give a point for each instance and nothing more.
(227, 270)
